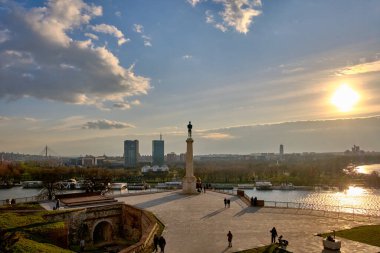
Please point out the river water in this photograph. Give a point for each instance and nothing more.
(355, 197)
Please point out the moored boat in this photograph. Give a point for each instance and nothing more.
(263, 185)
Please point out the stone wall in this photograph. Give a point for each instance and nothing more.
(121, 221)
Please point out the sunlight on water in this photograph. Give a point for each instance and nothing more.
(368, 169)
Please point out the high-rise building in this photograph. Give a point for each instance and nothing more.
(281, 150)
(158, 152)
(131, 153)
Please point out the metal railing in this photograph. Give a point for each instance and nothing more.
(344, 210)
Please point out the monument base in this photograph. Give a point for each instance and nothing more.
(189, 185)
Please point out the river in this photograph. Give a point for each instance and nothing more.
(368, 169)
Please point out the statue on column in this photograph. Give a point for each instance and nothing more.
(189, 127)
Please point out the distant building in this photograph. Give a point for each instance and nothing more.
(281, 150)
(158, 152)
(131, 153)
(182, 157)
(154, 168)
(171, 157)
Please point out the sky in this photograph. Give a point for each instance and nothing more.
(83, 76)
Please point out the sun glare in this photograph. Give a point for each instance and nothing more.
(345, 98)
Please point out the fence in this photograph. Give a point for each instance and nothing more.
(344, 210)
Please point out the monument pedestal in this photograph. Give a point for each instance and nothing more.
(189, 182)
(189, 185)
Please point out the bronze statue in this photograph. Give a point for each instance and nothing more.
(189, 127)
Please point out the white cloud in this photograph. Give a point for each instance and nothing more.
(193, 2)
(147, 41)
(112, 30)
(118, 14)
(211, 20)
(106, 124)
(237, 14)
(187, 57)
(4, 35)
(63, 69)
(361, 68)
(138, 28)
(91, 36)
(217, 136)
(292, 70)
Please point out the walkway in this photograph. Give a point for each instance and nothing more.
(200, 223)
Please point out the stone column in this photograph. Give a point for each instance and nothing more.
(189, 181)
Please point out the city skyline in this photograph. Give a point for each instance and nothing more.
(82, 77)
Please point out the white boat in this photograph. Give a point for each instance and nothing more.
(119, 186)
(284, 186)
(264, 185)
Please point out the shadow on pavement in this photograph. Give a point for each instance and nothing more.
(163, 200)
(247, 210)
(225, 250)
(213, 213)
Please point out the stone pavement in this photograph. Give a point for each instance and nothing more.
(200, 223)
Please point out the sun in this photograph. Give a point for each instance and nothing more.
(344, 98)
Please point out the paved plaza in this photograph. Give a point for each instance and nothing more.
(200, 223)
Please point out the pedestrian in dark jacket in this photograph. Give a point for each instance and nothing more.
(229, 238)
(225, 202)
(274, 235)
(162, 243)
(155, 242)
(228, 202)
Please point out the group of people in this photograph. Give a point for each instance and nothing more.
(227, 202)
(253, 201)
(159, 241)
(11, 201)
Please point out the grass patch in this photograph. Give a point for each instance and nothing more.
(35, 232)
(25, 245)
(369, 234)
(22, 206)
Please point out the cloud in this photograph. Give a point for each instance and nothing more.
(193, 2)
(4, 35)
(41, 60)
(112, 30)
(292, 70)
(211, 20)
(138, 28)
(91, 36)
(147, 40)
(237, 14)
(118, 14)
(361, 68)
(217, 136)
(122, 105)
(187, 57)
(106, 124)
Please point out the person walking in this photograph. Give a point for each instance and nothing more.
(162, 243)
(274, 235)
(81, 245)
(57, 204)
(228, 202)
(229, 238)
(155, 243)
(225, 202)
